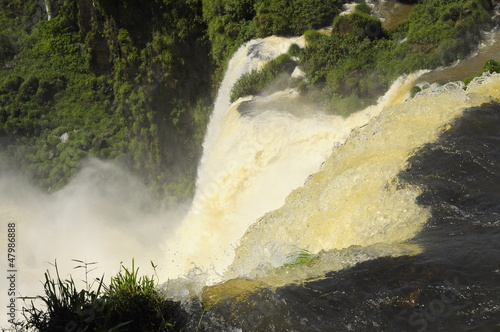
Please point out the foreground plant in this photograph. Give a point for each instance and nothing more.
(134, 299)
(65, 306)
(130, 303)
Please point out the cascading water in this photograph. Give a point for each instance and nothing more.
(423, 172)
(387, 220)
(47, 10)
(356, 199)
(366, 206)
(286, 196)
(252, 162)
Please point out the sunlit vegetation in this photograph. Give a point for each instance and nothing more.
(363, 59)
(255, 81)
(349, 68)
(233, 22)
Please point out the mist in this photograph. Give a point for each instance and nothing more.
(103, 215)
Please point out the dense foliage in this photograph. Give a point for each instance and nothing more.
(91, 82)
(134, 81)
(278, 70)
(349, 68)
(232, 22)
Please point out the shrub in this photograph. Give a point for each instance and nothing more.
(134, 299)
(28, 89)
(66, 306)
(356, 63)
(287, 17)
(254, 82)
(360, 23)
(414, 90)
(11, 84)
(492, 66)
(294, 50)
(6, 49)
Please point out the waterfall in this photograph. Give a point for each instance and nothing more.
(47, 9)
(278, 178)
(252, 162)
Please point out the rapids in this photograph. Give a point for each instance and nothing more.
(398, 230)
(253, 159)
(294, 206)
(357, 199)
(280, 184)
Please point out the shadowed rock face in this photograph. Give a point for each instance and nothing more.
(387, 294)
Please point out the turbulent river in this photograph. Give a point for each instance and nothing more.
(387, 220)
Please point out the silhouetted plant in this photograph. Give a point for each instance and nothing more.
(130, 303)
(66, 307)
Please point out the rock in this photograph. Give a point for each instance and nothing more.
(64, 137)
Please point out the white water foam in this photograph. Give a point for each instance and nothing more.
(251, 163)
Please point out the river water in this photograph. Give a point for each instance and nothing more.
(397, 230)
(387, 220)
(448, 280)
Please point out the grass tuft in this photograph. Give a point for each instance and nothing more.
(130, 303)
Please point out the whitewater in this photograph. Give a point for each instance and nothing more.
(252, 162)
(273, 184)
(279, 178)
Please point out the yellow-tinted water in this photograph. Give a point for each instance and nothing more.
(357, 199)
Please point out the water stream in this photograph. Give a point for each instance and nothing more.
(387, 220)
(398, 231)
(489, 50)
(252, 162)
(391, 226)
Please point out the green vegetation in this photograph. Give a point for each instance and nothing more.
(130, 303)
(363, 60)
(288, 17)
(255, 81)
(134, 82)
(90, 83)
(233, 22)
(351, 67)
(414, 90)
